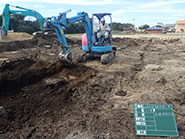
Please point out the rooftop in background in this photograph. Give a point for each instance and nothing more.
(154, 28)
(180, 22)
(170, 25)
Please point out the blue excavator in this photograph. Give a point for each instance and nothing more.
(92, 46)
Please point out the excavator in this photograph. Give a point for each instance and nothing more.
(92, 47)
(6, 15)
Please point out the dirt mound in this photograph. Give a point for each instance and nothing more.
(125, 41)
(24, 72)
(52, 39)
(18, 36)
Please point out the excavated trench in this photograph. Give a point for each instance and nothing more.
(28, 88)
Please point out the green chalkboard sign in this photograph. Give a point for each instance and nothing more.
(155, 120)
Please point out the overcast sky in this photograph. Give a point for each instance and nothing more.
(138, 12)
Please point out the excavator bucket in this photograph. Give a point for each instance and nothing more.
(66, 58)
(2, 33)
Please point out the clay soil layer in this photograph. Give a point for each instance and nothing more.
(43, 98)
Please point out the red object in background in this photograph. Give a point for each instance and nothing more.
(152, 30)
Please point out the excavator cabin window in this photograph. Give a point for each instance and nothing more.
(102, 28)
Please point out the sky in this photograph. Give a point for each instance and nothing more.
(137, 12)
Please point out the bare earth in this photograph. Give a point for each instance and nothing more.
(43, 98)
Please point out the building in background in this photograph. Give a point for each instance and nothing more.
(180, 26)
(127, 30)
(170, 28)
(161, 28)
(156, 30)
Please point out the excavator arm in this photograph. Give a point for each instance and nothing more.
(23, 11)
(59, 23)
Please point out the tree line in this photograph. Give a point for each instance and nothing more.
(18, 24)
(121, 26)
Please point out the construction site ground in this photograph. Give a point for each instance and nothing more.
(42, 98)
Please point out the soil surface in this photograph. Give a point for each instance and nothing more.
(43, 98)
(18, 36)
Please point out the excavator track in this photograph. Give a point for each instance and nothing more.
(104, 58)
(108, 57)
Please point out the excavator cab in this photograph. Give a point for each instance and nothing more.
(101, 44)
(101, 37)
